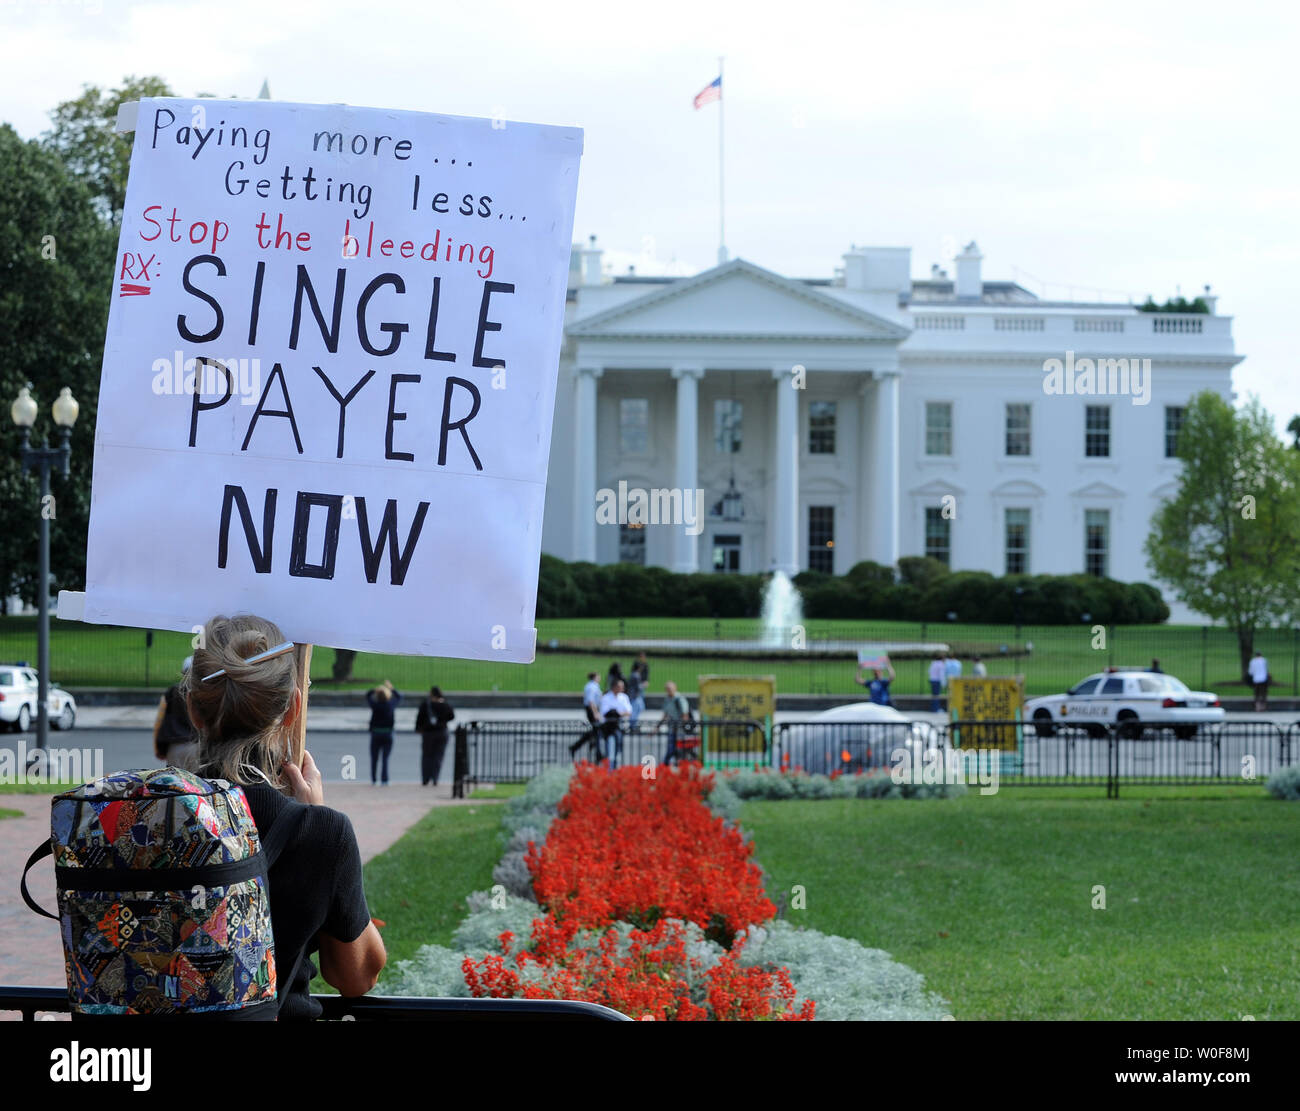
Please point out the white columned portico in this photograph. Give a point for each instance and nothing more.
(785, 467)
(866, 468)
(584, 465)
(885, 479)
(686, 550)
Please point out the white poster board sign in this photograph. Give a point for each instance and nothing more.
(330, 374)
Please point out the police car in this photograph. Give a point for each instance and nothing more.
(18, 700)
(1129, 700)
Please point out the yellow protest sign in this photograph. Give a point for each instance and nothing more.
(737, 698)
(993, 700)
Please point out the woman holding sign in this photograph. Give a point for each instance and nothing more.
(246, 695)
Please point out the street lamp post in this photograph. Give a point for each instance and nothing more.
(40, 460)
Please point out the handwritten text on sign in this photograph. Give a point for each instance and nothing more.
(330, 373)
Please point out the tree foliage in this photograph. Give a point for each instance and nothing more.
(84, 133)
(56, 266)
(1228, 541)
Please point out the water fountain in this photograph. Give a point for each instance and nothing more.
(782, 611)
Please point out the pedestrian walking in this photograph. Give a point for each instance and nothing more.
(951, 668)
(174, 740)
(615, 710)
(677, 717)
(978, 670)
(937, 677)
(591, 695)
(1155, 666)
(431, 723)
(383, 700)
(1260, 677)
(638, 682)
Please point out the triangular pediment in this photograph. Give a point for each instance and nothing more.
(734, 300)
(936, 488)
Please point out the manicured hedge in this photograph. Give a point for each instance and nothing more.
(921, 590)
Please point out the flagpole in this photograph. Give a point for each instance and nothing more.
(722, 208)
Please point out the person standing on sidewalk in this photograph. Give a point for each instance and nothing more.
(383, 700)
(677, 716)
(174, 739)
(938, 673)
(431, 723)
(1259, 676)
(615, 709)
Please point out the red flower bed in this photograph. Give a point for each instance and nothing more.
(639, 850)
(625, 848)
(651, 981)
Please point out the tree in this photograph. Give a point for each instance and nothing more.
(1294, 428)
(85, 134)
(56, 270)
(1228, 541)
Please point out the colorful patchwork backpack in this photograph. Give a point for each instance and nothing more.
(163, 896)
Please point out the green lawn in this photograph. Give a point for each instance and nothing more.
(991, 897)
(5, 812)
(93, 655)
(418, 887)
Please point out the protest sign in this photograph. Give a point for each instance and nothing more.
(330, 373)
(872, 656)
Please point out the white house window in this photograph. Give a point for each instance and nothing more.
(1096, 542)
(821, 428)
(1173, 426)
(631, 544)
(726, 553)
(727, 424)
(938, 428)
(633, 425)
(938, 535)
(1096, 431)
(1018, 428)
(1017, 547)
(821, 538)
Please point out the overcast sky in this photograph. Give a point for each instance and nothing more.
(1109, 149)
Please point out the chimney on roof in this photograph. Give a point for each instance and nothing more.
(591, 263)
(969, 283)
(1211, 300)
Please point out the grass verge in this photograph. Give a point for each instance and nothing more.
(992, 898)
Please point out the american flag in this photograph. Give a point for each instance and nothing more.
(711, 92)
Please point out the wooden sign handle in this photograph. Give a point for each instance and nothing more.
(302, 668)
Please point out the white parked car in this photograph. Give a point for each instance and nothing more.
(18, 691)
(1128, 700)
(868, 732)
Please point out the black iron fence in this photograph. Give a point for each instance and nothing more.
(1012, 753)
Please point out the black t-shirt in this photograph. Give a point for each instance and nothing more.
(315, 885)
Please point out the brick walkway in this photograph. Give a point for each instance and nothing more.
(30, 950)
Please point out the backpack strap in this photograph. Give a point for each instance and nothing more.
(39, 853)
(275, 838)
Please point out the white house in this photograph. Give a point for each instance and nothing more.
(869, 416)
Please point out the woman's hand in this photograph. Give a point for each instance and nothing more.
(305, 782)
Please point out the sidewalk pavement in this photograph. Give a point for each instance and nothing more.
(30, 950)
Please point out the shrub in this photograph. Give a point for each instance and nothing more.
(482, 929)
(1285, 784)
(849, 981)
